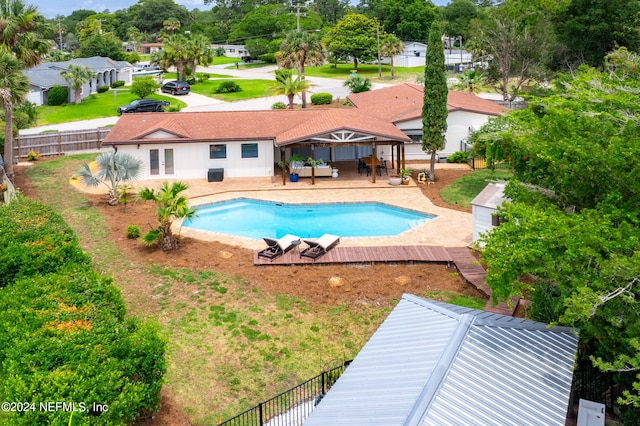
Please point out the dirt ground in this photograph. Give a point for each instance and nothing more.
(358, 283)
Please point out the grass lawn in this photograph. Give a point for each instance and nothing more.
(250, 89)
(97, 105)
(464, 190)
(229, 345)
(343, 71)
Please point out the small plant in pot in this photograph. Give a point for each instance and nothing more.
(405, 173)
(294, 163)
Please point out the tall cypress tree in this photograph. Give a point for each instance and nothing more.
(434, 108)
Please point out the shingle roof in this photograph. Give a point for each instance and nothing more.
(283, 126)
(433, 363)
(491, 196)
(47, 74)
(403, 102)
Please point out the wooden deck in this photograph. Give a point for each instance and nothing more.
(464, 261)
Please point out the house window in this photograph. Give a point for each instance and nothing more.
(232, 50)
(218, 151)
(249, 150)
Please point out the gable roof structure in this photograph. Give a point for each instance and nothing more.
(47, 74)
(403, 102)
(432, 363)
(284, 127)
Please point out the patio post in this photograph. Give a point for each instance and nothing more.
(313, 167)
(374, 156)
(282, 172)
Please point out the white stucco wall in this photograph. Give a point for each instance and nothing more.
(458, 124)
(192, 160)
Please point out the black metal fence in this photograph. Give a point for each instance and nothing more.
(482, 163)
(292, 406)
(604, 387)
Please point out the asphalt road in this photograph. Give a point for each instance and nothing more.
(196, 102)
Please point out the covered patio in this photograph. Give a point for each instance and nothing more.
(334, 148)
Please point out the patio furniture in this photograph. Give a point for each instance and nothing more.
(278, 247)
(381, 167)
(319, 247)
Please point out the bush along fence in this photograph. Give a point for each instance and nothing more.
(59, 143)
(291, 407)
(66, 338)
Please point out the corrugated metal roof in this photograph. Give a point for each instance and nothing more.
(438, 364)
(491, 196)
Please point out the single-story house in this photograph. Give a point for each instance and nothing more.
(414, 55)
(432, 363)
(484, 207)
(149, 48)
(402, 105)
(47, 74)
(248, 143)
(232, 50)
(385, 123)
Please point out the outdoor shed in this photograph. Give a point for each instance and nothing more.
(484, 207)
(432, 363)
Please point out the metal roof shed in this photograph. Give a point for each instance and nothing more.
(483, 208)
(432, 363)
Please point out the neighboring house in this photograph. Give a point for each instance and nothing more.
(432, 363)
(484, 207)
(402, 106)
(47, 74)
(415, 53)
(232, 50)
(148, 48)
(246, 143)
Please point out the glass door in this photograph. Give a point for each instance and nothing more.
(161, 162)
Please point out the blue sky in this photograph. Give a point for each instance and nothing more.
(52, 8)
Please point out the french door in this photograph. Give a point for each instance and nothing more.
(161, 162)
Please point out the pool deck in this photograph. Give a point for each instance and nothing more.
(449, 228)
(448, 235)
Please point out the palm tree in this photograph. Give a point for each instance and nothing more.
(77, 76)
(171, 205)
(299, 49)
(21, 30)
(173, 54)
(199, 52)
(14, 87)
(288, 86)
(471, 80)
(391, 46)
(113, 168)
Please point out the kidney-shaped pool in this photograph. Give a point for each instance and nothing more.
(257, 219)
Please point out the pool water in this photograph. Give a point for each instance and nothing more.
(257, 219)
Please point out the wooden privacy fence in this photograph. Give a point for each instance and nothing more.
(59, 143)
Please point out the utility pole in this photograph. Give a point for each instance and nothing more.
(60, 32)
(298, 6)
(379, 63)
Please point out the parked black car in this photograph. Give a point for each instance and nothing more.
(176, 87)
(144, 105)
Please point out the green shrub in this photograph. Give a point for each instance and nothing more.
(58, 95)
(321, 98)
(205, 76)
(32, 156)
(268, 57)
(278, 105)
(102, 89)
(173, 108)
(117, 83)
(65, 338)
(133, 231)
(228, 87)
(35, 240)
(458, 157)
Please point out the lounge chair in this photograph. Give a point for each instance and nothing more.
(320, 246)
(278, 247)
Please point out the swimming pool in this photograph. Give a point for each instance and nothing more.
(257, 219)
